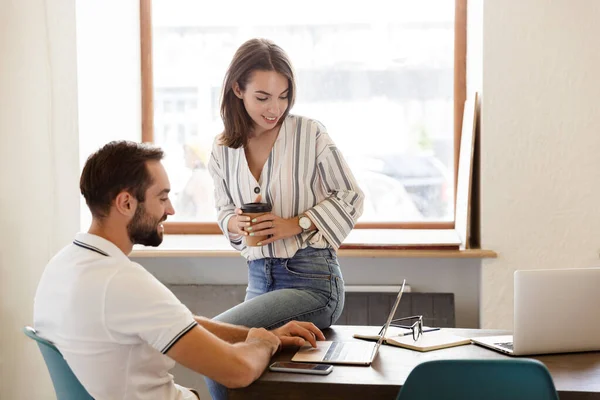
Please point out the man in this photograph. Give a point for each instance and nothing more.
(117, 326)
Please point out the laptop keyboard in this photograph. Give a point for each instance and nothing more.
(508, 345)
(335, 352)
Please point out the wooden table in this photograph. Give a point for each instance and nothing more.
(576, 376)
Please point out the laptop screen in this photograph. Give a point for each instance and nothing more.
(388, 322)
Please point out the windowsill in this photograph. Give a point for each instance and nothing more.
(410, 243)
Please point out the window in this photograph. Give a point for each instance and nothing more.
(397, 65)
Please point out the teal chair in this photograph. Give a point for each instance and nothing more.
(502, 379)
(66, 384)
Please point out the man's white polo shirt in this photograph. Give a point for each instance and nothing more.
(112, 320)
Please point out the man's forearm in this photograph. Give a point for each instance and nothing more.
(255, 355)
(228, 332)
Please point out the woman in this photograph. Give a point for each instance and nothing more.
(291, 163)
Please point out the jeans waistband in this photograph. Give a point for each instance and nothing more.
(313, 252)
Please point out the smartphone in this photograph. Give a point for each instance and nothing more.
(301, 368)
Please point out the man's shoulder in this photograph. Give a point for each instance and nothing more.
(76, 269)
(132, 270)
(73, 255)
(134, 277)
(81, 276)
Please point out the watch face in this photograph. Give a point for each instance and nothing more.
(304, 222)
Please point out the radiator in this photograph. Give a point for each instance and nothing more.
(365, 304)
(376, 288)
(371, 305)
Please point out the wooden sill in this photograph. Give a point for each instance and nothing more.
(366, 253)
(360, 243)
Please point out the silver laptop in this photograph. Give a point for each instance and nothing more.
(349, 353)
(555, 311)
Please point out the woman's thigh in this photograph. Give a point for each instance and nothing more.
(308, 287)
(317, 271)
(276, 308)
(310, 269)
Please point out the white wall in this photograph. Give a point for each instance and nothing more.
(109, 80)
(38, 172)
(540, 142)
(40, 98)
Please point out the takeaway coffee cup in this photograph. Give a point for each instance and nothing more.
(254, 210)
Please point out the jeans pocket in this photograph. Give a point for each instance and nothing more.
(308, 267)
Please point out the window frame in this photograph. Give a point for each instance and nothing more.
(460, 89)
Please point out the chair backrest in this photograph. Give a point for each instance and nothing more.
(66, 384)
(500, 379)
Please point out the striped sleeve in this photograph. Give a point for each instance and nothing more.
(178, 336)
(337, 214)
(223, 200)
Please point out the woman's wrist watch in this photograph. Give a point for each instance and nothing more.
(304, 222)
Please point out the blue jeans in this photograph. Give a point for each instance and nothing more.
(306, 287)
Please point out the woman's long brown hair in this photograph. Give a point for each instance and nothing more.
(254, 55)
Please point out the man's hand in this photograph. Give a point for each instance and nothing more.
(263, 335)
(296, 333)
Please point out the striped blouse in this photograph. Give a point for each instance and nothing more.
(304, 173)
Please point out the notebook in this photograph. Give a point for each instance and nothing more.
(429, 340)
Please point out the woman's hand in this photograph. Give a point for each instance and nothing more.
(238, 223)
(271, 224)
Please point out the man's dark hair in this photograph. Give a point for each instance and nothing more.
(117, 166)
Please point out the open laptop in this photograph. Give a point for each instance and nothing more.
(555, 311)
(347, 353)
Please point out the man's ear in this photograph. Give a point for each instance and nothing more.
(237, 90)
(126, 204)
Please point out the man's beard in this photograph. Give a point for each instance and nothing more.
(143, 229)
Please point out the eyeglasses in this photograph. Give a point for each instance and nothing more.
(416, 327)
